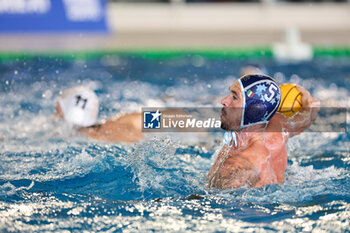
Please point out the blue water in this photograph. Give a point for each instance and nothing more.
(52, 180)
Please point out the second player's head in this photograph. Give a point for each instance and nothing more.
(78, 106)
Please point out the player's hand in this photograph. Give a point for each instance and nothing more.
(309, 103)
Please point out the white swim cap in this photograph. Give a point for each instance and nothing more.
(79, 106)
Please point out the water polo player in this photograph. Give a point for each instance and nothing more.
(254, 152)
(79, 107)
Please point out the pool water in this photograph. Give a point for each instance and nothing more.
(52, 180)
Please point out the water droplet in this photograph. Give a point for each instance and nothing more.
(47, 94)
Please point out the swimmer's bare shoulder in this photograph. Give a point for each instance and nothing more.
(275, 133)
(126, 128)
(249, 166)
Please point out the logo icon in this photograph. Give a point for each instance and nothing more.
(151, 119)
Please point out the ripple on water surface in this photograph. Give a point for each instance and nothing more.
(51, 180)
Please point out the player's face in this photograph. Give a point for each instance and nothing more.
(231, 112)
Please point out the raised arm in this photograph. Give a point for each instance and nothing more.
(304, 118)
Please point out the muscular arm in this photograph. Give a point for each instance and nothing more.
(239, 172)
(126, 128)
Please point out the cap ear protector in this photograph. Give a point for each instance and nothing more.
(261, 98)
(255, 110)
(79, 106)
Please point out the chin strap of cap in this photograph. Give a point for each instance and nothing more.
(230, 138)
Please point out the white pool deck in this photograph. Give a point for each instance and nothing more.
(223, 25)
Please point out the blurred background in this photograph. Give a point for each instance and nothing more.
(41, 25)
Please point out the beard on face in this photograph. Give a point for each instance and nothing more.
(224, 125)
(227, 123)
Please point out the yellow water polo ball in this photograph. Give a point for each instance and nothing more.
(290, 100)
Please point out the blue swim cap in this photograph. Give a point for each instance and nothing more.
(261, 98)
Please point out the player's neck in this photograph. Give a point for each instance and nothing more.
(251, 132)
(252, 129)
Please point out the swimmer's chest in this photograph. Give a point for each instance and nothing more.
(235, 158)
(252, 156)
